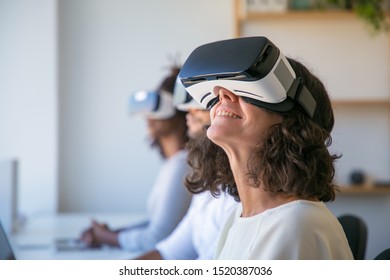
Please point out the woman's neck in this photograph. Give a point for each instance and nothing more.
(254, 199)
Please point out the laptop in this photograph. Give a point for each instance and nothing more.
(6, 252)
(71, 244)
(57, 244)
(8, 194)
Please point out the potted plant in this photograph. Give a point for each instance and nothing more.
(373, 12)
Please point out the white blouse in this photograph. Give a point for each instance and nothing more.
(296, 230)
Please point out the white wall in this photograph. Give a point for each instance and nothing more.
(28, 99)
(109, 49)
(88, 56)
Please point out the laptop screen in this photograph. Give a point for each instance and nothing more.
(6, 252)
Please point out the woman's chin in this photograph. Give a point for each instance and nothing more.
(215, 134)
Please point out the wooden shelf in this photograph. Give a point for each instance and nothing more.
(300, 15)
(363, 190)
(242, 16)
(361, 102)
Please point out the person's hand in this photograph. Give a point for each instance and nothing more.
(99, 234)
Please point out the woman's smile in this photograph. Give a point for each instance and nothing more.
(225, 113)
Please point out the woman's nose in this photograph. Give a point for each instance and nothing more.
(224, 94)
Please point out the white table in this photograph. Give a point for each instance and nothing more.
(36, 239)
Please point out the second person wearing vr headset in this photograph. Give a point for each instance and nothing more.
(197, 234)
(169, 199)
(268, 141)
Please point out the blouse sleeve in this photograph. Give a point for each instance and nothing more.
(179, 245)
(168, 203)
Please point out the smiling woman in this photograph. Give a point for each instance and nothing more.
(234, 114)
(272, 155)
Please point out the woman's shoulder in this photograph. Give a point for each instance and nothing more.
(299, 207)
(177, 161)
(307, 222)
(179, 157)
(303, 218)
(300, 213)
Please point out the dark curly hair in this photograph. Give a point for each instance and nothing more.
(179, 119)
(293, 160)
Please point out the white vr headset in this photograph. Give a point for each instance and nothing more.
(252, 67)
(182, 100)
(152, 104)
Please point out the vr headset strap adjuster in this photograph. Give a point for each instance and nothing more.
(299, 93)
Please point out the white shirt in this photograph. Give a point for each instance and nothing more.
(197, 235)
(168, 202)
(297, 230)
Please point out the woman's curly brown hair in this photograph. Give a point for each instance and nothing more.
(293, 160)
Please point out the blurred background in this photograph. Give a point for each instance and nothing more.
(67, 68)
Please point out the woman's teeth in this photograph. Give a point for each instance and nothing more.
(228, 114)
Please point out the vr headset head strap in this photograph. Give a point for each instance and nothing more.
(300, 94)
